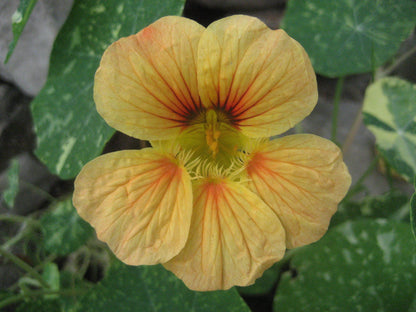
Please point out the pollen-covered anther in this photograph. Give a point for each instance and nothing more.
(212, 133)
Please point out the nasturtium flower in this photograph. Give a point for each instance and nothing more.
(214, 199)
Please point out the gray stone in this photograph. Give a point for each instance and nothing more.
(28, 66)
(16, 130)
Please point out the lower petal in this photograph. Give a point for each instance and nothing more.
(234, 237)
(303, 178)
(139, 202)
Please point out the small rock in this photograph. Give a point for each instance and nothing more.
(16, 130)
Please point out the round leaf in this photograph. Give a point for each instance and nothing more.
(358, 266)
(39, 305)
(349, 36)
(413, 211)
(391, 205)
(390, 113)
(64, 230)
(152, 288)
(69, 130)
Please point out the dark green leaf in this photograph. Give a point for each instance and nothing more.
(349, 36)
(152, 288)
(19, 20)
(39, 305)
(264, 284)
(10, 193)
(390, 114)
(69, 130)
(64, 231)
(367, 265)
(388, 205)
(413, 211)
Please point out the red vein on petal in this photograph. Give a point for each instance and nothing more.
(184, 105)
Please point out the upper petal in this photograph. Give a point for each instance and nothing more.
(303, 178)
(234, 237)
(139, 202)
(261, 78)
(146, 85)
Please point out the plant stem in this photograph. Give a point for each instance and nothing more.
(357, 184)
(39, 293)
(24, 266)
(15, 239)
(353, 131)
(337, 97)
(38, 190)
(16, 218)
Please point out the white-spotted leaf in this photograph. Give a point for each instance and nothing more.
(390, 114)
(154, 289)
(64, 230)
(19, 19)
(366, 265)
(349, 36)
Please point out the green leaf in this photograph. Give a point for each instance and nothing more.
(413, 210)
(19, 19)
(9, 195)
(152, 288)
(387, 205)
(265, 283)
(64, 231)
(390, 113)
(367, 265)
(349, 36)
(69, 130)
(40, 305)
(51, 275)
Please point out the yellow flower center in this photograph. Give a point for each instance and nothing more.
(213, 139)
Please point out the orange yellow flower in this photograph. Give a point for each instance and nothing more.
(214, 200)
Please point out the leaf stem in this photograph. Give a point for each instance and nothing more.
(383, 73)
(39, 293)
(353, 130)
(38, 190)
(357, 184)
(24, 266)
(17, 219)
(335, 112)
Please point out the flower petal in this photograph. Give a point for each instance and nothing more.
(234, 237)
(261, 78)
(303, 178)
(146, 85)
(139, 202)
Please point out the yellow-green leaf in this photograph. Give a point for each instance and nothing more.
(390, 113)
